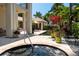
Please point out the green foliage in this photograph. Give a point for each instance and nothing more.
(58, 39)
(75, 11)
(75, 29)
(46, 17)
(46, 27)
(56, 29)
(38, 14)
(58, 9)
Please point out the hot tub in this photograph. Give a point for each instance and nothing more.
(36, 50)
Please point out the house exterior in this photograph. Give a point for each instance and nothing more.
(9, 13)
(39, 23)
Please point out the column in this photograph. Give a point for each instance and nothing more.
(11, 19)
(41, 25)
(38, 25)
(29, 18)
(24, 21)
(15, 23)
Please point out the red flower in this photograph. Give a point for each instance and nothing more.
(55, 19)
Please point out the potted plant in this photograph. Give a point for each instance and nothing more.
(57, 35)
(52, 34)
(16, 33)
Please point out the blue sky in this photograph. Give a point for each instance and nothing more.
(42, 7)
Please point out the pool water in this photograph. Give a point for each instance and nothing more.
(38, 50)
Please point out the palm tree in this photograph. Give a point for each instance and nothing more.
(38, 14)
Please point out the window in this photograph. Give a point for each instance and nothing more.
(23, 5)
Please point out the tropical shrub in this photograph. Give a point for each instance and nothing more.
(75, 29)
(46, 27)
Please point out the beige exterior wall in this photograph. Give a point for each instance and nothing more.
(9, 18)
(2, 17)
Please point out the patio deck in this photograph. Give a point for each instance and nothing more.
(4, 40)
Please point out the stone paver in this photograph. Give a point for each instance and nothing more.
(44, 40)
(8, 40)
(4, 40)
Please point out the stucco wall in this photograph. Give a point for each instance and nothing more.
(2, 17)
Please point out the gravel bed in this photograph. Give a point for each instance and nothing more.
(73, 45)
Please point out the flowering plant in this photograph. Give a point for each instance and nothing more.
(55, 19)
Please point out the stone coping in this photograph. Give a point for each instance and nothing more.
(45, 40)
(38, 32)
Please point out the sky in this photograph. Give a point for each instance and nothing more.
(42, 7)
